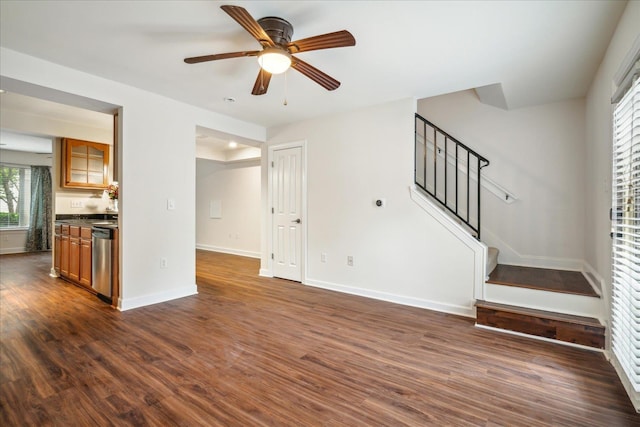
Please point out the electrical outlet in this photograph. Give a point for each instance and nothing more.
(323, 257)
(350, 261)
(163, 263)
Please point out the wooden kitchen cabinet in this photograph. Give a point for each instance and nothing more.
(85, 257)
(57, 248)
(85, 164)
(64, 251)
(75, 254)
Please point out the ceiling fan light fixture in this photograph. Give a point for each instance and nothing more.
(274, 60)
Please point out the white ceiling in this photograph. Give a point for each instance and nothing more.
(37, 143)
(539, 51)
(20, 142)
(53, 110)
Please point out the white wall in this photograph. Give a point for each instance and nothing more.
(237, 186)
(156, 162)
(400, 253)
(538, 154)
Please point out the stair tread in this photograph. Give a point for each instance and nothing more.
(571, 318)
(562, 281)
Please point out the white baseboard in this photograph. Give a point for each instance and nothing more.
(230, 251)
(141, 301)
(466, 311)
(265, 272)
(8, 251)
(594, 279)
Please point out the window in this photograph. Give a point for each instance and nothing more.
(15, 195)
(625, 281)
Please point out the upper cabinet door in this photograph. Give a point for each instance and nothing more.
(85, 164)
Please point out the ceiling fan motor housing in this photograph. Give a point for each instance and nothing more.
(278, 29)
(274, 35)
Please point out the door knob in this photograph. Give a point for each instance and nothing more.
(297, 221)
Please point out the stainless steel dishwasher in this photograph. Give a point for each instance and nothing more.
(101, 261)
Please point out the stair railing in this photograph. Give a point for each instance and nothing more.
(444, 168)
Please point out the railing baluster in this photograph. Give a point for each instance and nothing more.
(415, 150)
(457, 179)
(446, 161)
(435, 163)
(424, 165)
(480, 163)
(478, 168)
(468, 185)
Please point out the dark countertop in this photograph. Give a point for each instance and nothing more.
(89, 220)
(104, 216)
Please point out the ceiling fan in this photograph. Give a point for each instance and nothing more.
(276, 56)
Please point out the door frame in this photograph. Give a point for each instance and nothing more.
(303, 231)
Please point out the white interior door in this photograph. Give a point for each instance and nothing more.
(286, 169)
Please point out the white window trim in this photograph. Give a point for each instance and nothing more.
(625, 280)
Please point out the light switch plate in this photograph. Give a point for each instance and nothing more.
(215, 209)
(171, 204)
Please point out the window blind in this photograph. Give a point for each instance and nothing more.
(625, 310)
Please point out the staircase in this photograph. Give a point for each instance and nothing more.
(550, 304)
(553, 304)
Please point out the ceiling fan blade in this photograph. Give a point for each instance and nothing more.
(314, 74)
(242, 17)
(262, 83)
(205, 58)
(325, 41)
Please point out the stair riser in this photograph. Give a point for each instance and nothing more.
(586, 335)
(543, 300)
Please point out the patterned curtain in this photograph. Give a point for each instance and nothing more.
(39, 234)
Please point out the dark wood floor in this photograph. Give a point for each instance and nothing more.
(250, 351)
(568, 282)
